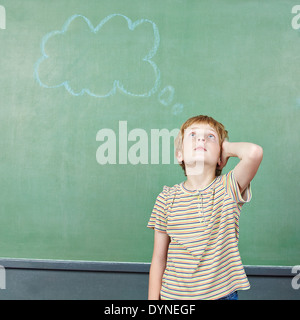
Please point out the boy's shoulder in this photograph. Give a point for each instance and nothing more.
(169, 191)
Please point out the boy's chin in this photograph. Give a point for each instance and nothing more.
(195, 169)
(198, 167)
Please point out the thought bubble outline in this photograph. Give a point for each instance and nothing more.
(116, 83)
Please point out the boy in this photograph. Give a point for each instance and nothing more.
(196, 226)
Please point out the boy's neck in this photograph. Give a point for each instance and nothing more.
(200, 181)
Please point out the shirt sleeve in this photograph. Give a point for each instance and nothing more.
(158, 218)
(233, 189)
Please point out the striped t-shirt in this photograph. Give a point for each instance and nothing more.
(203, 225)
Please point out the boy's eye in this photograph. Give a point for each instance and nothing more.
(211, 136)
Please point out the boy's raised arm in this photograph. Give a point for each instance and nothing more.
(250, 156)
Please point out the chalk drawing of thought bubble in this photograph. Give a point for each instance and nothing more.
(116, 54)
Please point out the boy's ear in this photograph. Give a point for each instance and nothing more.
(179, 156)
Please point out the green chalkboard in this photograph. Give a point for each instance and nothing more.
(87, 88)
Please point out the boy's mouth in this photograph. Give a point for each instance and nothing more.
(200, 148)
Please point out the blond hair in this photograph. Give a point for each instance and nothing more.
(219, 127)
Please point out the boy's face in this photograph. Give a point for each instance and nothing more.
(201, 146)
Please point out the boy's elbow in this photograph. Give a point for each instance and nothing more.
(256, 153)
